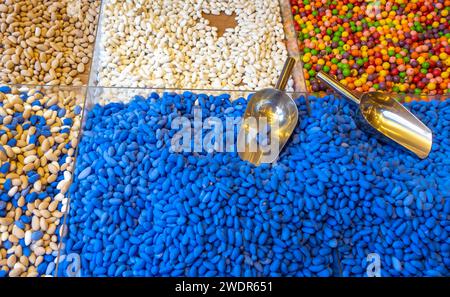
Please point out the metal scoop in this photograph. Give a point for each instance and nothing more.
(268, 122)
(387, 116)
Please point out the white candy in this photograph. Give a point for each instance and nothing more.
(157, 43)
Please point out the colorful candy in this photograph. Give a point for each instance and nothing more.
(38, 137)
(398, 46)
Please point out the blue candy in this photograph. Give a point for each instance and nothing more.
(335, 196)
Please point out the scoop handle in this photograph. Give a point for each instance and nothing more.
(285, 74)
(338, 87)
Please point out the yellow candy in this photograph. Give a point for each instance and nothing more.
(358, 83)
(434, 58)
(321, 62)
(305, 58)
(431, 86)
(444, 13)
(420, 59)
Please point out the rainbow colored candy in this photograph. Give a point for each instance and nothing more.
(398, 46)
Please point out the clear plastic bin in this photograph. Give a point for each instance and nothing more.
(72, 264)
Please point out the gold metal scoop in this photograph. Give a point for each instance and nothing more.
(387, 116)
(268, 122)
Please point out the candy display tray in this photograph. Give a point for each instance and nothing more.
(93, 94)
(221, 23)
(102, 96)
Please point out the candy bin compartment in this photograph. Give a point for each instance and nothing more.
(231, 45)
(336, 203)
(47, 42)
(39, 129)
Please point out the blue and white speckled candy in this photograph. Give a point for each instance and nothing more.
(37, 146)
(335, 196)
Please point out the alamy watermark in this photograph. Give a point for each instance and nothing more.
(373, 8)
(74, 8)
(212, 134)
(374, 265)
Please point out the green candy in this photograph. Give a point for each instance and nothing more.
(346, 72)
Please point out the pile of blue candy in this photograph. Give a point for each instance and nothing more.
(336, 203)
